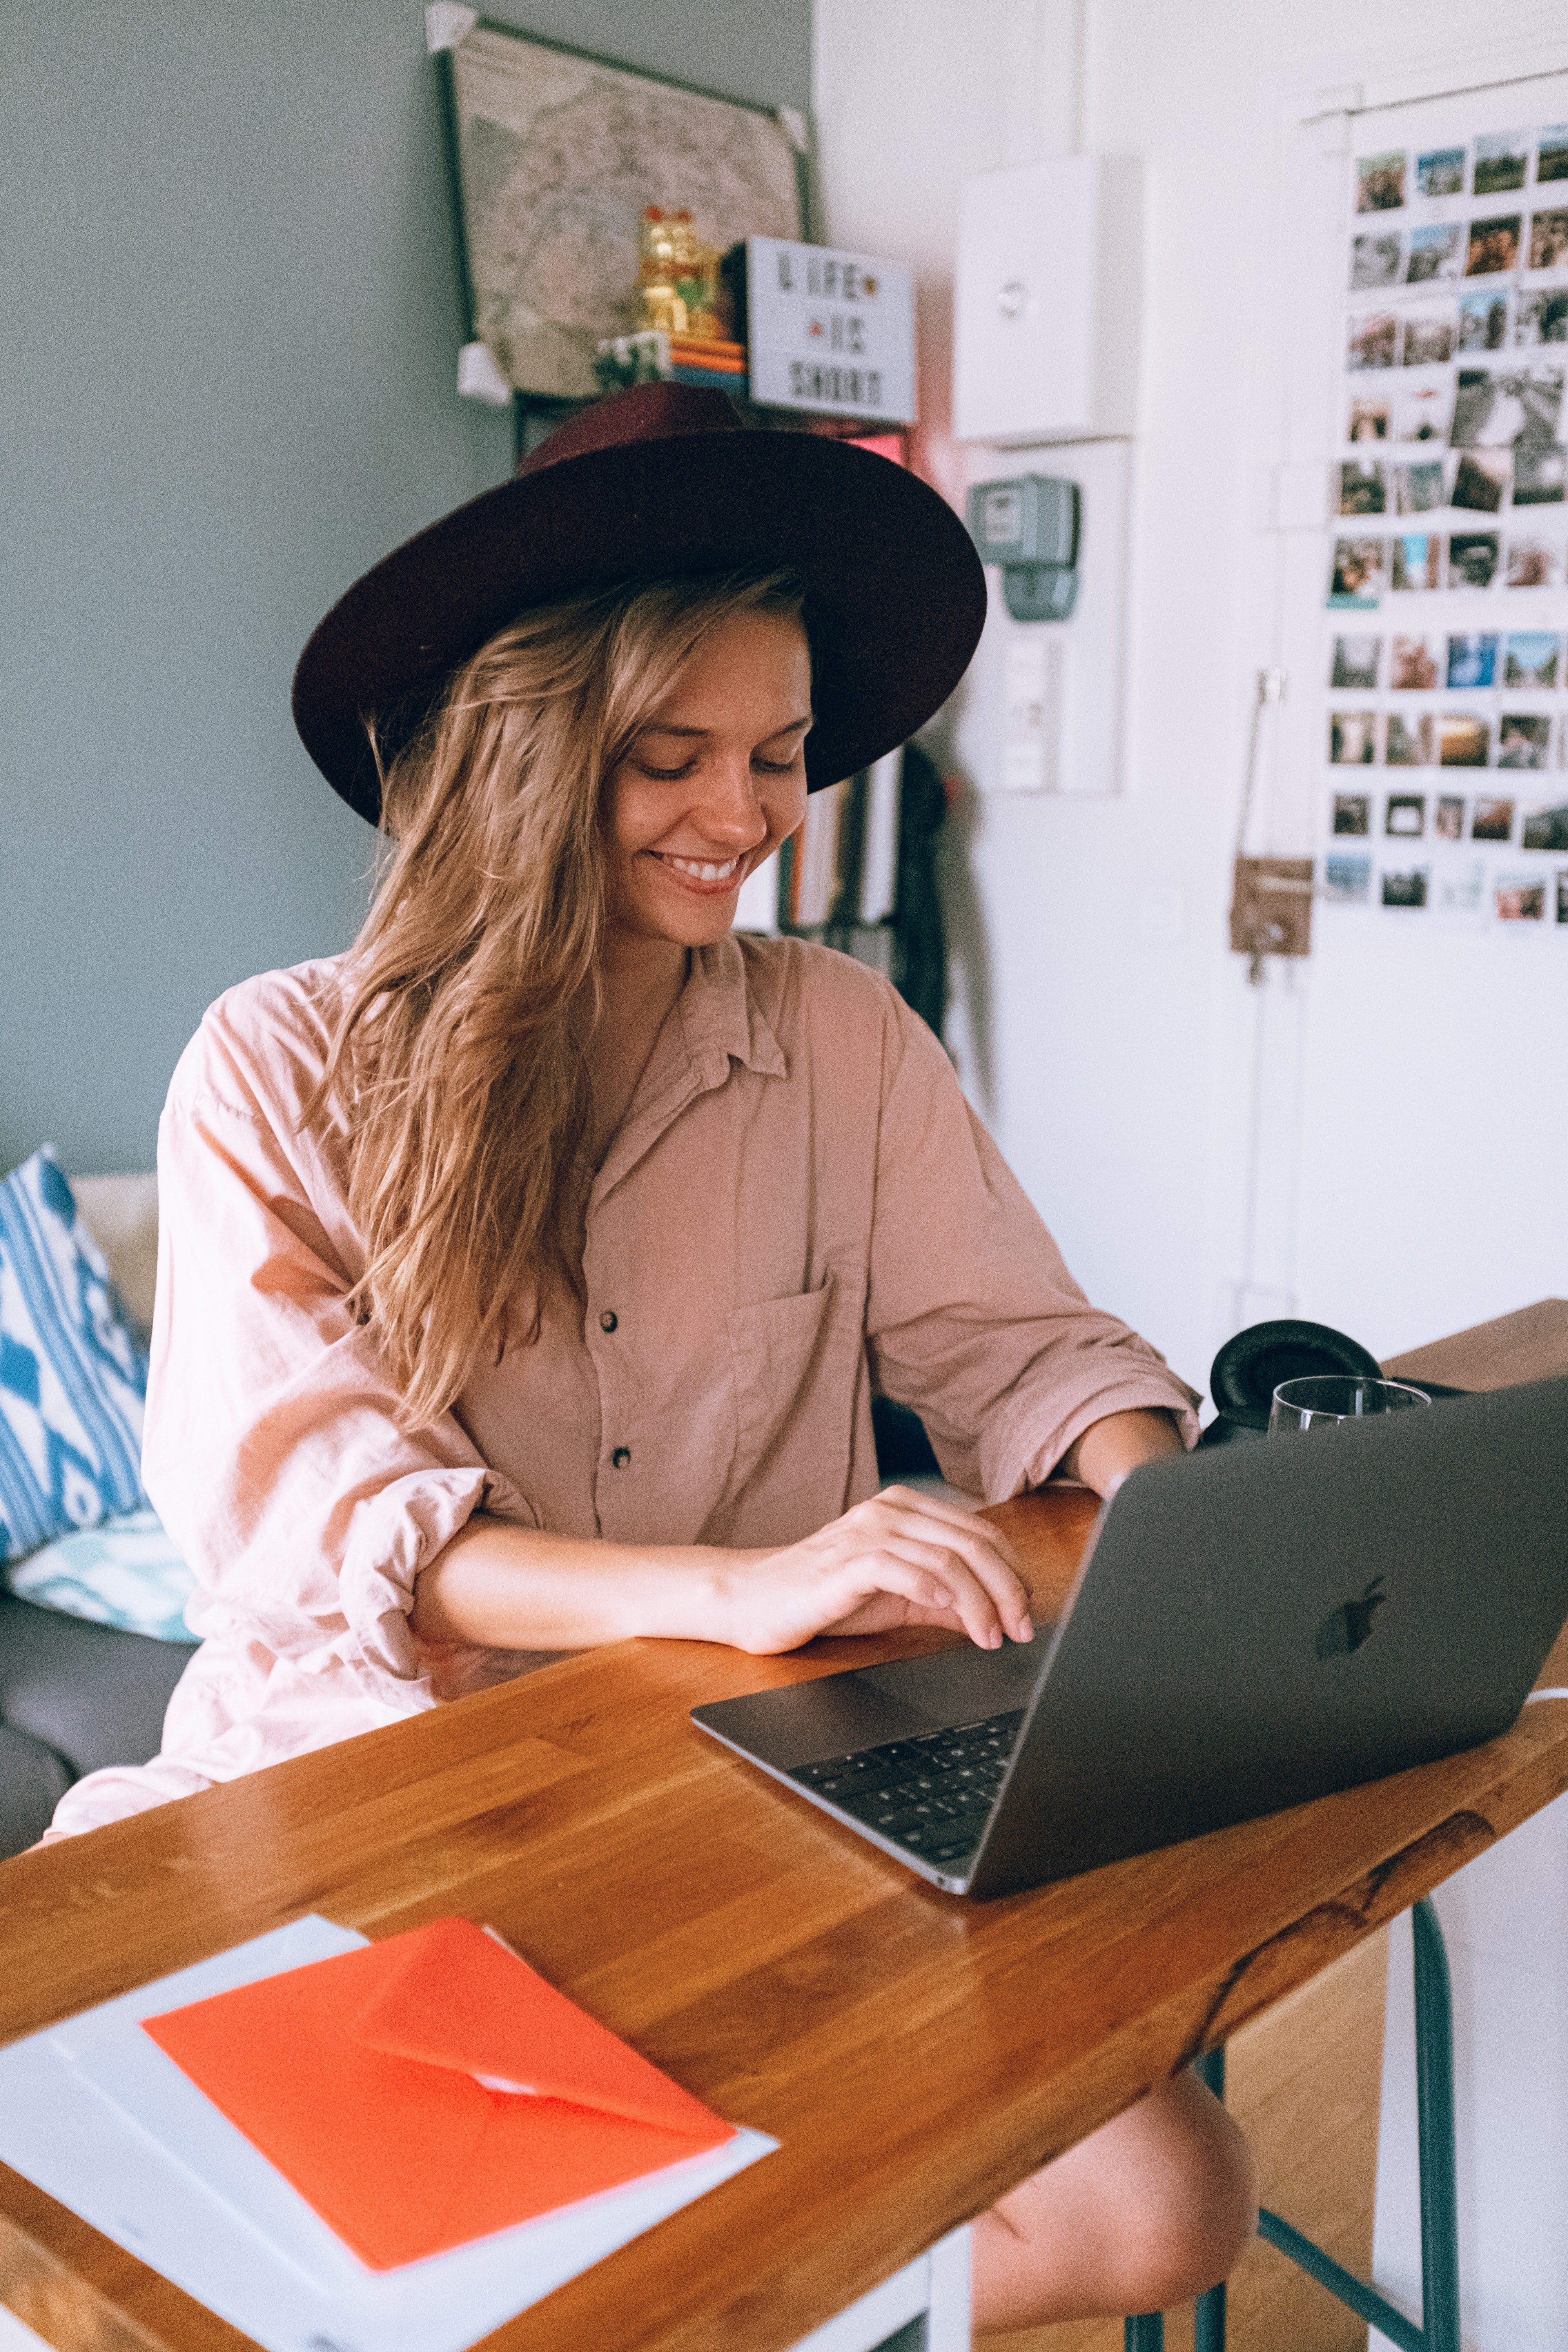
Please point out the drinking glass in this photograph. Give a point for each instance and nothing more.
(1332, 1398)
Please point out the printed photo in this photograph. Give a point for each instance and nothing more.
(1472, 661)
(1417, 560)
(1480, 480)
(1353, 738)
(1407, 739)
(1405, 815)
(1438, 251)
(1491, 819)
(1374, 340)
(1353, 814)
(1458, 889)
(1541, 317)
(1448, 817)
(1418, 488)
(1551, 153)
(1524, 741)
(1545, 828)
(1463, 740)
(1347, 881)
(1368, 420)
(1355, 662)
(1530, 658)
(1562, 896)
(1494, 411)
(1503, 158)
(1548, 240)
(1519, 897)
(1428, 335)
(1539, 396)
(1423, 412)
(1538, 476)
(1533, 563)
(1406, 888)
(1358, 574)
(1374, 261)
(1441, 172)
(1380, 183)
(1483, 322)
(1413, 666)
(1361, 489)
(1493, 245)
(1472, 559)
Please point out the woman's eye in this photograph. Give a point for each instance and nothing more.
(665, 775)
(774, 767)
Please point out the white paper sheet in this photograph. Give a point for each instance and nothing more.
(97, 2115)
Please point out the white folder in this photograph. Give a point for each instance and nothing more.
(97, 2115)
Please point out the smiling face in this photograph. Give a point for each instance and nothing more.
(712, 784)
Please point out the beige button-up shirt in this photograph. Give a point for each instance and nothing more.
(798, 1209)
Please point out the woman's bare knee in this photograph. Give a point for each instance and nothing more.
(1192, 2200)
(1146, 2212)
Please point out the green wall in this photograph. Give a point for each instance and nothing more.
(230, 331)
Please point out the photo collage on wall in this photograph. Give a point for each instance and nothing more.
(1447, 662)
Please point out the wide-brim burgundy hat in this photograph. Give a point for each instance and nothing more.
(663, 482)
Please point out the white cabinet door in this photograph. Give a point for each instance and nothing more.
(934, 2288)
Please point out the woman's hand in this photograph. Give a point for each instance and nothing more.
(902, 1558)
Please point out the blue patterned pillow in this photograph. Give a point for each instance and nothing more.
(72, 1377)
(125, 1573)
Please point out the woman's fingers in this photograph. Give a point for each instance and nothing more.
(978, 1546)
(836, 1596)
(937, 1506)
(952, 1583)
(900, 1551)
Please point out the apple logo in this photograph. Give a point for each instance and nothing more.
(1345, 1628)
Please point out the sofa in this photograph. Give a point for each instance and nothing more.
(75, 1696)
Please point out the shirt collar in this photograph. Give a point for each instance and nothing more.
(721, 1020)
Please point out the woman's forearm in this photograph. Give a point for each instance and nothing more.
(506, 1588)
(1109, 1449)
(897, 1558)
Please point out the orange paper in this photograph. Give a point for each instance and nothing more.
(359, 2077)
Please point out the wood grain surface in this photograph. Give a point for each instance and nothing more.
(1303, 2080)
(915, 2055)
(1531, 1344)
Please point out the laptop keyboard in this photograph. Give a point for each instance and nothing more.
(933, 1794)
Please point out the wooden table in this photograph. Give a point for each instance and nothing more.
(915, 2055)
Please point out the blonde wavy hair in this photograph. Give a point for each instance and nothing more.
(473, 986)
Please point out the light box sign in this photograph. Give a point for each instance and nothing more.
(833, 332)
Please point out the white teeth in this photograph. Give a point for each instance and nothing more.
(704, 873)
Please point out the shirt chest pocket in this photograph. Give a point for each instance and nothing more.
(794, 1361)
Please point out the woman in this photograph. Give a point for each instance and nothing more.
(526, 1273)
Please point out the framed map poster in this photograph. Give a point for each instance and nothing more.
(556, 154)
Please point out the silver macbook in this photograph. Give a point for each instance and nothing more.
(1252, 1626)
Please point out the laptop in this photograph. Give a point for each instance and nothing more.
(1251, 1626)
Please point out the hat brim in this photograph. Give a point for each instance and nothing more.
(897, 591)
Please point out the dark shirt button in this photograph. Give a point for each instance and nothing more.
(607, 1319)
(621, 1457)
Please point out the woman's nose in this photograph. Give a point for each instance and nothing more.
(731, 811)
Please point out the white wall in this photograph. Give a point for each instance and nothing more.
(1404, 1179)
(1376, 1138)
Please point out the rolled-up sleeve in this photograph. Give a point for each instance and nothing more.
(272, 1452)
(972, 1316)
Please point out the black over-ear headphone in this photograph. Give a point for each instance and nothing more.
(1250, 1366)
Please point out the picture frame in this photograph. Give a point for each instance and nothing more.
(553, 155)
